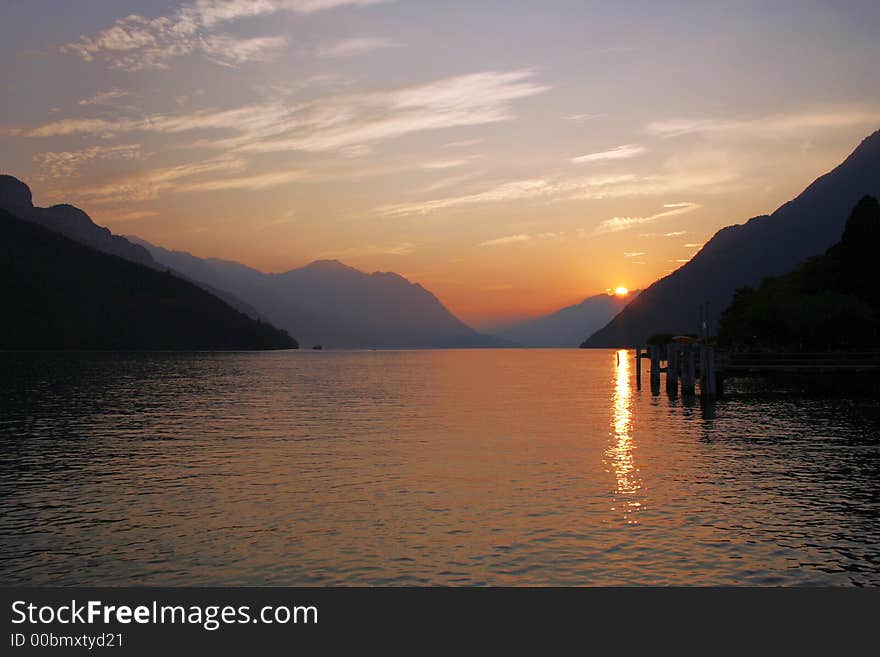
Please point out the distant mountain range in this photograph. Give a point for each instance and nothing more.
(567, 327)
(744, 254)
(61, 294)
(332, 304)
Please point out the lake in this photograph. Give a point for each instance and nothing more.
(459, 467)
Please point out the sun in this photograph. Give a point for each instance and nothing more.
(621, 291)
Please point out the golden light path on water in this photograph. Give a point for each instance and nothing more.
(620, 451)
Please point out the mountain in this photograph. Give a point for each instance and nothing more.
(61, 294)
(829, 302)
(70, 221)
(567, 327)
(15, 197)
(742, 255)
(332, 304)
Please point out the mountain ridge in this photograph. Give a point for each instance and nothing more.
(67, 295)
(70, 221)
(567, 326)
(333, 304)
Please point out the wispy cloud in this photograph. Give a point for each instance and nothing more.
(232, 51)
(355, 46)
(521, 237)
(510, 239)
(342, 123)
(463, 143)
(582, 117)
(66, 164)
(444, 164)
(777, 125)
(624, 152)
(252, 118)
(134, 215)
(224, 173)
(339, 122)
(511, 191)
(400, 249)
(150, 184)
(253, 182)
(553, 189)
(105, 97)
(633, 254)
(616, 224)
(449, 181)
(137, 42)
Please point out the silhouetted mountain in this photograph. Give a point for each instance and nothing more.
(831, 301)
(567, 327)
(60, 294)
(15, 196)
(744, 254)
(335, 305)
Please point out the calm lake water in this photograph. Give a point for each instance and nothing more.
(423, 467)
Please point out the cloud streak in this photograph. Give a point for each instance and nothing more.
(510, 239)
(66, 164)
(616, 224)
(553, 189)
(150, 184)
(355, 46)
(624, 152)
(776, 125)
(343, 123)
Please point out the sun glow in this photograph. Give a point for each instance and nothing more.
(621, 291)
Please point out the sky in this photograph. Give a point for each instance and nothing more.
(513, 157)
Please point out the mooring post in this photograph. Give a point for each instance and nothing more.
(655, 369)
(688, 372)
(639, 368)
(707, 377)
(672, 368)
(702, 368)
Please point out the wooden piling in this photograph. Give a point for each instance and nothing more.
(707, 372)
(639, 368)
(672, 368)
(655, 369)
(688, 372)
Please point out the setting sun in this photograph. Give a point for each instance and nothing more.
(621, 291)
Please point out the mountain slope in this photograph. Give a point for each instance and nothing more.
(63, 295)
(829, 302)
(332, 304)
(15, 197)
(70, 221)
(567, 327)
(742, 255)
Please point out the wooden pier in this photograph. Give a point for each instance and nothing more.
(679, 362)
(687, 363)
(768, 363)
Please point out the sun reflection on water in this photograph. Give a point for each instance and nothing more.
(620, 452)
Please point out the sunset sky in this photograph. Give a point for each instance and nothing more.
(512, 157)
